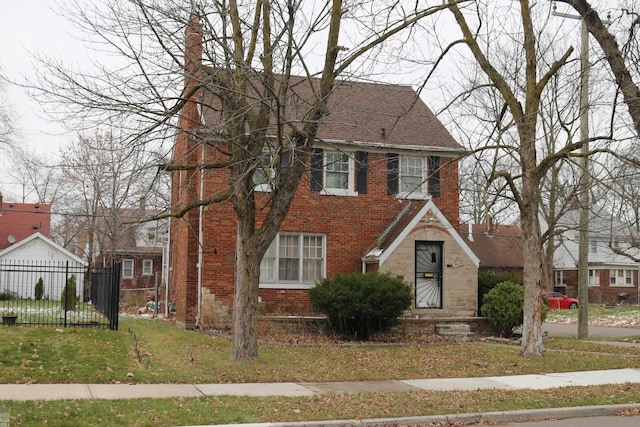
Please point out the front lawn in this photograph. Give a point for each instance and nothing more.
(147, 351)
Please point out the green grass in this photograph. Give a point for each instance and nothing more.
(50, 312)
(234, 409)
(146, 351)
(156, 352)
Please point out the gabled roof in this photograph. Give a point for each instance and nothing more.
(38, 237)
(369, 114)
(499, 247)
(602, 224)
(20, 220)
(405, 222)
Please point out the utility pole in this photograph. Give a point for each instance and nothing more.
(583, 197)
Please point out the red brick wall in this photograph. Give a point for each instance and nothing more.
(350, 224)
(604, 293)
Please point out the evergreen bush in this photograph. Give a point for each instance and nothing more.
(358, 305)
(69, 298)
(504, 307)
(39, 291)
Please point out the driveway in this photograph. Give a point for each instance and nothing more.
(571, 330)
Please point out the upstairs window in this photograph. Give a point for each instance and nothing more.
(338, 173)
(409, 176)
(265, 174)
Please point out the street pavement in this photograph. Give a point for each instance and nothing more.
(571, 330)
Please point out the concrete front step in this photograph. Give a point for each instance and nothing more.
(455, 330)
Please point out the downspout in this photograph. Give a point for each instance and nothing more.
(200, 241)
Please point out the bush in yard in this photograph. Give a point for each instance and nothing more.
(7, 296)
(69, 298)
(39, 291)
(489, 278)
(358, 305)
(504, 304)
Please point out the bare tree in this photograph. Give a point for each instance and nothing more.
(623, 62)
(240, 61)
(36, 173)
(104, 182)
(6, 123)
(521, 85)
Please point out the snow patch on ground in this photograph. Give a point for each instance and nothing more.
(618, 317)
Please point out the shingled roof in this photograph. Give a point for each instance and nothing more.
(499, 247)
(372, 114)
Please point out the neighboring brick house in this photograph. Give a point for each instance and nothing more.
(20, 220)
(499, 246)
(139, 246)
(610, 272)
(381, 193)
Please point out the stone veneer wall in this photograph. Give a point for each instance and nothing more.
(459, 298)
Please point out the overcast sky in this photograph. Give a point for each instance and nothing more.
(31, 27)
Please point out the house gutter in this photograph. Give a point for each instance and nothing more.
(200, 243)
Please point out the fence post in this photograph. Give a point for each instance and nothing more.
(115, 296)
(66, 292)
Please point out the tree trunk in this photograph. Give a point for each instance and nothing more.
(533, 254)
(245, 299)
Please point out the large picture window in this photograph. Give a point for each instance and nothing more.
(621, 277)
(294, 259)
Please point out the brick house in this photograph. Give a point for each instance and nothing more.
(381, 193)
(20, 220)
(139, 247)
(610, 272)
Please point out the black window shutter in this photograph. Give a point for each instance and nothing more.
(317, 158)
(393, 164)
(362, 158)
(285, 159)
(434, 176)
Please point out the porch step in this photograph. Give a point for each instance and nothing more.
(455, 330)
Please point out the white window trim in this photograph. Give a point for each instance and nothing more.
(594, 280)
(351, 180)
(124, 275)
(144, 267)
(265, 187)
(621, 285)
(276, 284)
(420, 193)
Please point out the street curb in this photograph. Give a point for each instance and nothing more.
(467, 418)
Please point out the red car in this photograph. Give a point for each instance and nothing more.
(558, 300)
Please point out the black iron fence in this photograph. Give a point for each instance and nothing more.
(59, 294)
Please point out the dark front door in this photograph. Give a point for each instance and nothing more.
(428, 274)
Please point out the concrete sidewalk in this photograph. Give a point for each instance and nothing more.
(25, 392)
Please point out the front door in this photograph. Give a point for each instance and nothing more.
(428, 274)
